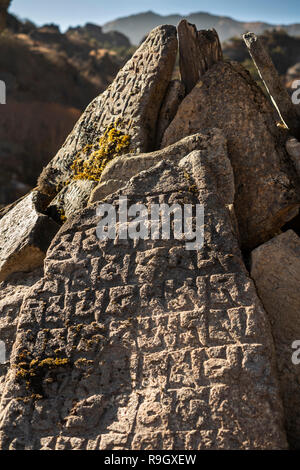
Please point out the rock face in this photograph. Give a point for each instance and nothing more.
(12, 293)
(198, 51)
(120, 170)
(174, 95)
(293, 149)
(71, 199)
(142, 344)
(135, 98)
(25, 235)
(267, 186)
(276, 272)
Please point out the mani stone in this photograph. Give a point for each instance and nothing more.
(25, 235)
(134, 98)
(120, 170)
(276, 272)
(267, 186)
(143, 344)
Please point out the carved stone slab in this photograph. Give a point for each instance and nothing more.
(135, 97)
(161, 348)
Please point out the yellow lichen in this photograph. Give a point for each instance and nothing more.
(51, 363)
(32, 369)
(62, 215)
(113, 143)
(83, 362)
(194, 190)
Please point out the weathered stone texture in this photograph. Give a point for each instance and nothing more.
(70, 199)
(12, 293)
(267, 186)
(25, 235)
(293, 149)
(276, 272)
(174, 95)
(198, 51)
(119, 171)
(135, 97)
(167, 348)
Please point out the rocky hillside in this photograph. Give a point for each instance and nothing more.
(118, 337)
(136, 26)
(50, 78)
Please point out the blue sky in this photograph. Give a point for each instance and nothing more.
(75, 12)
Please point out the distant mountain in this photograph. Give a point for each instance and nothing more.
(135, 27)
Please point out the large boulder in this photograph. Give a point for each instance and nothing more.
(276, 272)
(267, 185)
(25, 235)
(143, 344)
(134, 99)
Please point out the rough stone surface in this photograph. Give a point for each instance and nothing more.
(293, 149)
(8, 207)
(119, 171)
(198, 51)
(267, 186)
(135, 97)
(25, 235)
(71, 198)
(174, 95)
(166, 348)
(12, 293)
(276, 272)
